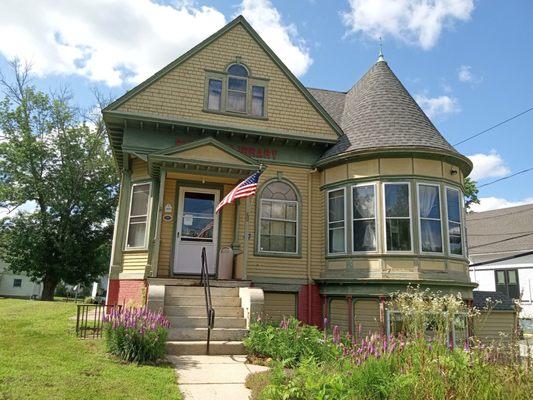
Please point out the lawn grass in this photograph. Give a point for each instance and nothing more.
(41, 358)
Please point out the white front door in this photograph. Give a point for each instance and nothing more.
(196, 227)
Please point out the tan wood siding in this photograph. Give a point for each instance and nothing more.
(227, 220)
(495, 326)
(339, 314)
(279, 305)
(139, 169)
(278, 267)
(180, 92)
(167, 230)
(318, 248)
(366, 317)
(135, 261)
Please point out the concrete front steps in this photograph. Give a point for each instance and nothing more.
(185, 308)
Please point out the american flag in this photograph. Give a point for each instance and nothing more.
(246, 188)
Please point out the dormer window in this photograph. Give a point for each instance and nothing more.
(237, 88)
(236, 92)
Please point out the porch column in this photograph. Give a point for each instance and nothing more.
(157, 229)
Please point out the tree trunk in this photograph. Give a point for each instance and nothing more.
(49, 287)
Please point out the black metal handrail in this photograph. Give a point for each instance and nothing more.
(208, 304)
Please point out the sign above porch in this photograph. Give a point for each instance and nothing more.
(204, 156)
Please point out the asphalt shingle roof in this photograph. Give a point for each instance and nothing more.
(498, 301)
(497, 234)
(378, 112)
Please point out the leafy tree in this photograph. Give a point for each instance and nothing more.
(54, 161)
(471, 192)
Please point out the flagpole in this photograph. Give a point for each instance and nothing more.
(245, 243)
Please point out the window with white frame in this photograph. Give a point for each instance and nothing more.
(278, 219)
(454, 208)
(336, 226)
(397, 217)
(430, 218)
(138, 218)
(364, 218)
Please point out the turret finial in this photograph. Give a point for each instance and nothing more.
(380, 57)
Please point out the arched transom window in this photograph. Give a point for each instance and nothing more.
(278, 219)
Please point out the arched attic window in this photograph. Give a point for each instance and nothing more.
(237, 88)
(278, 219)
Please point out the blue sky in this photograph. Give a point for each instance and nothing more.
(467, 62)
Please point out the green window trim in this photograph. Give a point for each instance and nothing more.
(259, 218)
(330, 223)
(374, 185)
(409, 217)
(253, 88)
(428, 218)
(146, 215)
(460, 222)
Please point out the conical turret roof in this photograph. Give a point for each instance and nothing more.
(379, 113)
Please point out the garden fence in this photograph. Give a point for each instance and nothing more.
(90, 319)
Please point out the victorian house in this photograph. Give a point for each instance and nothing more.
(359, 196)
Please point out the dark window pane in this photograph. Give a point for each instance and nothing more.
(215, 94)
(364, 235)
(237, 84)
(17, 282)
(258, 100)
(397, 200)
(363, 202)
(514, 291)
(429, 201)
(336, 206)
(431, 236)
(513, 278)
(500, 277)
(290, 244)
(454, 209)
(456, 246)
(398, 235)
(237, 70)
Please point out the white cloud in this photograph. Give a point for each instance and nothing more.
(283, 39)
(464, 74)
(495, 203)
(489, 165)
(418, 22)
(437, 106)
(126, 41)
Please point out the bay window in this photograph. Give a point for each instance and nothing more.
(430, 218)
(455, 230)
(278, 219)
(397, 217)
(138, 217)
(364, 218)
(335, 222)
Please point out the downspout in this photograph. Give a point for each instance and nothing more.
(309, 237)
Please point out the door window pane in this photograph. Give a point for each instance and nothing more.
(398, 217)
(197, 220)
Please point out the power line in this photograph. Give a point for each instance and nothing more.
(506, 177)
(494, 126)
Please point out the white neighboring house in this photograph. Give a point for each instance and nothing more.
(500, 247)
(17, 285)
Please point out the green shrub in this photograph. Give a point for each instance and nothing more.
(289, 342)
(136, 334)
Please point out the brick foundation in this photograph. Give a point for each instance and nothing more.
(310, 305)
(127, 292)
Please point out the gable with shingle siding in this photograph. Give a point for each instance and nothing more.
(180, 92)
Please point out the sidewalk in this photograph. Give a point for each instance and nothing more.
(213, 377)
